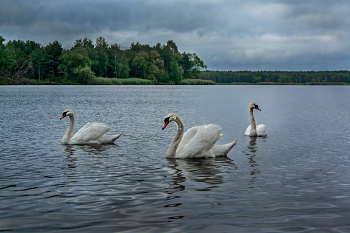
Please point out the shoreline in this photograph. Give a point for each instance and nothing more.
(137, 81)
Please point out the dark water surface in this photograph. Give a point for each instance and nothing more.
(295, 180)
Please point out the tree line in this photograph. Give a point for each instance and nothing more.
(277, 76)
(161, 63)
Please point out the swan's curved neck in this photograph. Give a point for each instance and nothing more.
(171, 152)
(252, 123)
(67, 136)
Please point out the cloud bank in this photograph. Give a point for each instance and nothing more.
(225, 34)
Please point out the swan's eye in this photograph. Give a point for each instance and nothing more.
(64, 114)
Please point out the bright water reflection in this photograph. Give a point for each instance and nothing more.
(295, 180)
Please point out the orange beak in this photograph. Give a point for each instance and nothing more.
(166, 122)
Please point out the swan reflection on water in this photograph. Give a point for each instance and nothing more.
(197, 175)
(69, 159)
(207, 171)
(250, 152)
(69, 150)
(72, 153)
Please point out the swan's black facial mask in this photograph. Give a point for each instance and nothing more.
(166, 122)
(256, 107)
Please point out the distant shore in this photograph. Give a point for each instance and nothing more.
(138, 81)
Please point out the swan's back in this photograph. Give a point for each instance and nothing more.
(90, 133)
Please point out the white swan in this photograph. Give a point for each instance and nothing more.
(197, 142)
(91, 133)
(253, 129)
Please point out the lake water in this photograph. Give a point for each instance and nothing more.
(295, 180)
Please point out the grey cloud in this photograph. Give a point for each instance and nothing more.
(226, 34)
(116, 15)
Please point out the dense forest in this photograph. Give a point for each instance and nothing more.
(87, 60)
(279, 77)
(155, 64)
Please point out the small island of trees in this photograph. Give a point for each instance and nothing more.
(85, 61)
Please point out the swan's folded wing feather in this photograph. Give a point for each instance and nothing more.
(78, 137)
(202, 142)
(91, 131)
(261, 130)
(186, 139)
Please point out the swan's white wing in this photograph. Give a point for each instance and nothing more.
(90, 132)
(201, 143)
(261, 130)
(247, 131)
(188, 136)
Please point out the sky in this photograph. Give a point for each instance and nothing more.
(288, 35)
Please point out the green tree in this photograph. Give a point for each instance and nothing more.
(83, 74)
(197, 65)
(140, 64)
(156, 67)
(169, 53)
(284, 79)
(20, 64)
(76, 65)
(186, 63)
(53, 52)
(256, 79)
(39, 61)
(85, 43)
(99, 57)
(31, 49)
(123, 69)
(175, 74)
(118, 65)
(7, 59)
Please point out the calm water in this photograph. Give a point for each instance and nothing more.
(295, 180)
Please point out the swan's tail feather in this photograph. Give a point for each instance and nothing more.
(233, 144)
(109, 139)
(222, 150)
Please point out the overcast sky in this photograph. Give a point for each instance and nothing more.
(225, 34)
